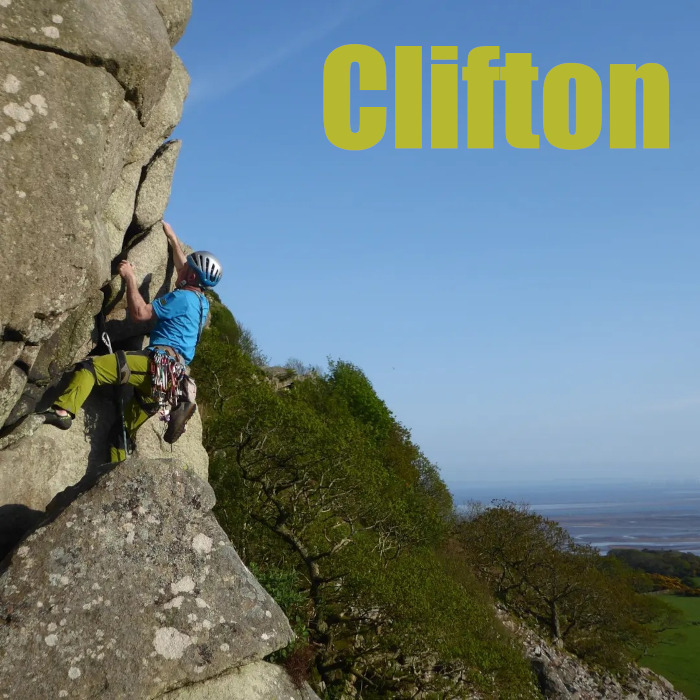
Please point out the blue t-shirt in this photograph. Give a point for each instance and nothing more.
(181, 314)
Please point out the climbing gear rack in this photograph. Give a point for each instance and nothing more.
(166, 376)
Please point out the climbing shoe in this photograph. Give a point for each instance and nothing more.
(52, 418)
(178, 420)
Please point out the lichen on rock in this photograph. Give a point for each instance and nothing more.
(124, 585)
(95, 591)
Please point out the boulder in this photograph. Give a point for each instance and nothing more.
(187, 450)
(46, 363)
(119, 211)
(9, 354)
(54, 459)
(125, 39)
(11, 387)
(176, 15)
(70, 118)
(69, 344)
(132, 591)
(164, 116)
(256, 681)
(156, 181)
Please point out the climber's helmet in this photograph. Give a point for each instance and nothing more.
(206, 266)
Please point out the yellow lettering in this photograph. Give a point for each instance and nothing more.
(444, 83)
(518, 74)
(336, 97)
(480, 77)
(409, 97)
(589, 106)
(623, 105)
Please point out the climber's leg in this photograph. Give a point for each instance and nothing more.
(67, 405)
(94, 370)
(137, 411)
(134, 417)
(116, 368)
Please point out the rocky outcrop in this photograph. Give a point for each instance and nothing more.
(133, 590)
(89, 93)
(128, 41)
(154, 191)
(176, 14)
(284, 378)
(256, 681)
(562, 676)
(126, 586)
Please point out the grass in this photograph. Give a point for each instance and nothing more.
(676, 656)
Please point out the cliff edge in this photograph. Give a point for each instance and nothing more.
(125, 586)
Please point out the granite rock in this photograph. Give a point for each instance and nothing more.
(133, 590)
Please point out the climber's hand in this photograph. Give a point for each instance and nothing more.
(126, 269)
(169, 233)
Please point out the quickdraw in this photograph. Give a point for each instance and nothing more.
(166, 376)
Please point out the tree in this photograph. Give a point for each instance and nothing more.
(566, 590)
(326, 496)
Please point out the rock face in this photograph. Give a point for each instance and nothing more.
(127, 40)
(562, 676)
(83, 448)
(89, 92)
(256, 681)
(133, 590)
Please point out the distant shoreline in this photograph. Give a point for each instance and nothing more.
(609, 515)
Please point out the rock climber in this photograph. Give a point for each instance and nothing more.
(180, 316)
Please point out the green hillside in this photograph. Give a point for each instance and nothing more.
(350, 527)
(677, 653)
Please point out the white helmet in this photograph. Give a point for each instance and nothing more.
(207, 267)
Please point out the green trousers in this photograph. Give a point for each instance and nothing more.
(106, 371)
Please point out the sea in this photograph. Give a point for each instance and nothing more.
(651, 515)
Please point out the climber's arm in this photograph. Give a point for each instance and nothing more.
(139, 310)
(179, 258)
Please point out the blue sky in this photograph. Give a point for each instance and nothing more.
(528, 314)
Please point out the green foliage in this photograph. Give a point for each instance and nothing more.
(285, 586)
(680, 565)
(586, 602)
(345, 522)
(221, 320)
(441, 620)
(351, 386)
(251, 349)
(224, 326)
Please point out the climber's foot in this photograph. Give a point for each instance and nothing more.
(58, 417)
(178, 420)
